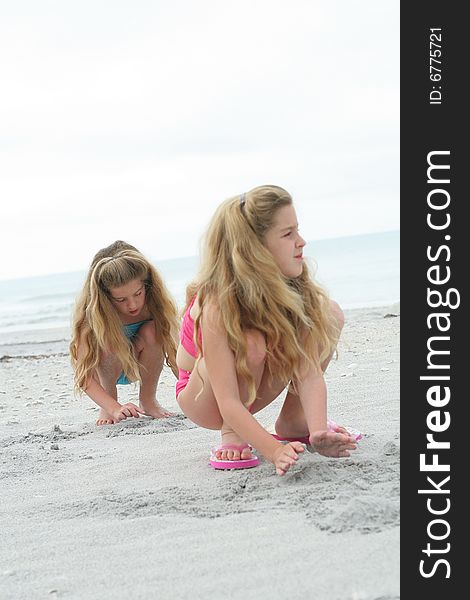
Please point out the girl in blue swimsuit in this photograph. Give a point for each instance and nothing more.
(124, 327)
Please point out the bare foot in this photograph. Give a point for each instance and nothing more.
(333, 443)
(122, 413)
(230, 437)
(154, 410)
(104, 418)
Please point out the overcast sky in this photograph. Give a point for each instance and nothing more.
(134, 119)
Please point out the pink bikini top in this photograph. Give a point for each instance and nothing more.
(187, 332)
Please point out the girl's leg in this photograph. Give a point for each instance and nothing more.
(149, 352)
(269, 389)
(198, 402)
(256, 358)
(108, 373)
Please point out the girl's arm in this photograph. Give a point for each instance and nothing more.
(220, 365)
(313, 397)
(99, 395)
(119, 412)
(103, 399)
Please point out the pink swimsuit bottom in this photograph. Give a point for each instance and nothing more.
(183, 378)
(187, 341)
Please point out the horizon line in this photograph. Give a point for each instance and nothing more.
(188, 256)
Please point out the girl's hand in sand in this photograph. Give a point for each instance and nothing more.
(333, 443)
(286, 455)
(127, 410)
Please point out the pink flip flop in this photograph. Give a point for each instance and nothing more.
(245, 463)
(305, 440)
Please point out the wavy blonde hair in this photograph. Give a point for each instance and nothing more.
(97, 327)
(240, 275)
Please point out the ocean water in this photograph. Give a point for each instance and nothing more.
(357, 271)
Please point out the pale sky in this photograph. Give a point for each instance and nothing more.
(134, 119)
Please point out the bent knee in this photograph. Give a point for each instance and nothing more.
(255, 347)
(147, 335)
(109, 361)
(201, 413)
(338, 314)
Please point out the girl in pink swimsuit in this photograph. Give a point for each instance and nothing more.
(256, 323)
(186, 340)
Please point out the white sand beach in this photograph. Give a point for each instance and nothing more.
(134, 511)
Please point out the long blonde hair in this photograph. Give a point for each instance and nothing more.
(97, 327)
(239, 273)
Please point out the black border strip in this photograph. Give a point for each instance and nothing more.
(439, 128)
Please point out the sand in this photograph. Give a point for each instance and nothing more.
(134, 511)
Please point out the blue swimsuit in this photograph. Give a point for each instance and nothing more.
(130, 331)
